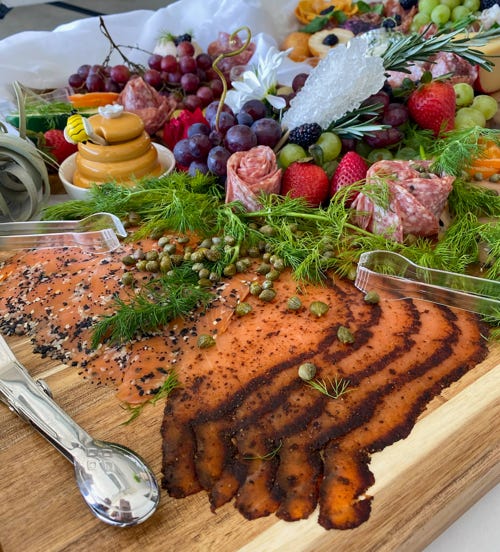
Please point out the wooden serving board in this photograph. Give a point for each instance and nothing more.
(423, 483)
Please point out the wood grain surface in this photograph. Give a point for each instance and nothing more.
(423, 483)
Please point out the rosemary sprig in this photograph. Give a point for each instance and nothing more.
(170, 383)
(334, 389)
(405, 49)
(351, 125)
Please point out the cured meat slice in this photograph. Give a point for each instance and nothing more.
(251, 172)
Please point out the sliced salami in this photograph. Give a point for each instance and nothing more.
(251, 172)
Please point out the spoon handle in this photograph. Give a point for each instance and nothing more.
(31, 402)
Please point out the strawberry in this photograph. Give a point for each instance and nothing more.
(307, 180)
(352, 168)
(432, 106)
(57, 145)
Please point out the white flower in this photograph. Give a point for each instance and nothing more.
(259, 83)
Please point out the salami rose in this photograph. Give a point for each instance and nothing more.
(416, 200)
(251, 172)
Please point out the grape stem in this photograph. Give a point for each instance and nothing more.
(222, 56)
(115, 46)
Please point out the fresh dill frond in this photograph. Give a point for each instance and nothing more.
(269, 456)
(171, 382)
(158, 303)
(468, 198)
(331, 388)
(458, 148)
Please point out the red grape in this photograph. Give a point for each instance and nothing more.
(76, 81)
(173, 78)
(240, 138)
(197, 167)
(190, 82)
(384, 138)
(192, 102)
(182, 153)
(111, 86)
(268, 131)
(255, 108)
(169, 64)
(395, 114)
(225, 122)
(120, 73)
(83, 70)
(217, 87)
(198, 128)
(187, 64)
(244, 118)
(94, 83)
(212, 108)
(204, 61)
(217, 160)
(154, 61)
(206, 95)
(153, 78)
(199, 146)
(185, 48)
(299, 81)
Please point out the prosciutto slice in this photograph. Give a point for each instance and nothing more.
(251, 172)
(416, 200)
(142, 99)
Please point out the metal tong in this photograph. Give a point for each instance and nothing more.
(388, 271)
(98, 232)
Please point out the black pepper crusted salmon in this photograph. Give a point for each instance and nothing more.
(243, 426)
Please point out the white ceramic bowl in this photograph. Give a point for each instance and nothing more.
(67, 169)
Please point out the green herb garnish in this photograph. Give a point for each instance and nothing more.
(331, 388)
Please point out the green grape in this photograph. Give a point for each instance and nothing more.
(472, 5)
(420, 20)
(487, 105)
(460, 12)
(290, 153)
(379, 154)
(468, 117)
(451, 3)
(426, 6)
(464, 94)
(440, 14)
(331, 145)
(406, 153)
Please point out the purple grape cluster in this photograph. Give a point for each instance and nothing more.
(208, 146)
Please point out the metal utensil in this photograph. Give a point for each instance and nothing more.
(116, 483)
(98, 232)
(389, 271)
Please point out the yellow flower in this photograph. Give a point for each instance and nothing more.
(307, 10)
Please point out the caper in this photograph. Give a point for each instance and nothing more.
(307, 371)
(204, 273)
(205, 341)
(163, 241)
(328, 254)
(495, 177)
(139, 254)
(253, 252)
(176, 259)
(229, 240)
(266, 256)
(152, 255)
(128, 260)
(318, 308)
(133, 218)
(279, 264)
(165, 264)
(255, 288)
(198, 255)
(156, 233)
(478, 176)
(213, 255)
(267, 284)
(372, 297)
(273, 275)
(141, 265)
(267, 230)
(241, 266)
(205, 282)
(152, 266)
(345, 335)
(197, 267)
(263, 268)
(267, 295)
(206, 243)
(171, 248)
(213, 277)
(242, 309)
(294, 303)
(229, 270)
(216, 240)
(127, 278)
(182, 239)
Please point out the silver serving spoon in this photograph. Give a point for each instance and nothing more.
(116, 483)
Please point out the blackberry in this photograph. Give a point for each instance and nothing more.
(186, 37)
(358, 26)
(305, 135)
(408, 4)
(487, 4)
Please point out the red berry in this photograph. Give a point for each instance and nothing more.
(432, 106)
(351, 169)
(305, 180)
(57, 145)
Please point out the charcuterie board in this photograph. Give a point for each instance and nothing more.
(422, 483)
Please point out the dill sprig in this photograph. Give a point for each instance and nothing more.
(159, 302)
(405, 49)
(334, 389)
(269, 456)
(171, 382)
